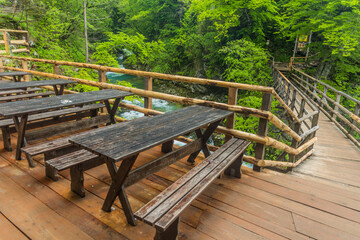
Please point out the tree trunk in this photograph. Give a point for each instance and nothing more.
(85, 34)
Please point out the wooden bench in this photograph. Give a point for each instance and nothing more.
(7, 125)
(78, 162)
(19, 91)
(58, 147)
(163, 211)
(25, 96)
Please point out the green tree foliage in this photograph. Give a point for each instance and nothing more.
(245, 63)
(138, 53)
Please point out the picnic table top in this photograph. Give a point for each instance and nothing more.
(16, 73)
(123, 140)
(38, 105)
(19, 85)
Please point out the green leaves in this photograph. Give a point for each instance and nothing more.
(137, 52)
(245, 63)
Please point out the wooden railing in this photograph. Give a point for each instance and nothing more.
(9, 41)
(266, 117)
(338, 106)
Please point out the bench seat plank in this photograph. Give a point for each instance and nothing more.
(56, 113)
(165, 208)
(71, 159)
(22, 96)
(18, 91)
(174, 212)
(68, 127)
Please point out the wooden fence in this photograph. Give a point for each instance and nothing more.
(14, 41)
(338, 106)
(298, 151)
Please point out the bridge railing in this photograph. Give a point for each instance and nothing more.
(300, 151)
(339, 107)
(13, 38)
(305, 110)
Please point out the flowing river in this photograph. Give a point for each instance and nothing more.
(138, 82)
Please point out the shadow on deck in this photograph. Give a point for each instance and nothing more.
(267, 205)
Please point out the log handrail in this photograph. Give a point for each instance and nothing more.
(348, 127)
(304, 143)
(327, 85)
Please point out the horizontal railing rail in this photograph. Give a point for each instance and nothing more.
(264, 114)
(339, 107)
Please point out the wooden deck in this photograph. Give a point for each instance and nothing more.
(319, 200)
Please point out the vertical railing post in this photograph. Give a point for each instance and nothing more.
(232, 100)
(294, 143)
(293, 100)
(323, 99)
(307, 85)
(314, 123)
(1, 66)
(353, 121)
(25, 67)
(263, 129)
(56, 69)
(336, 108)
(102, 79)
(314, 91)
(148, 85)
(6, 42)
(287, 95)
(297, 127)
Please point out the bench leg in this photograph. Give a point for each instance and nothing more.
(30, 160)
(234, 169)
(77, 180)
(6, 138)
(170, 233)
(50, 172)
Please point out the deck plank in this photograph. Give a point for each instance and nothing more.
(266, 205)
(9, 231)
(33, 217)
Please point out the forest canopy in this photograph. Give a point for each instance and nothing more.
(203, 38)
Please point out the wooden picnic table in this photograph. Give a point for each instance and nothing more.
(123, 142)
(16, 75)
(58, 85)
(20, 110)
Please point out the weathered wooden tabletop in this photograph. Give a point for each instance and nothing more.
(126, 139)
(16, 73)
(21, 85)
(44, 104)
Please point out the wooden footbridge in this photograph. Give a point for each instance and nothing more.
(310, 191)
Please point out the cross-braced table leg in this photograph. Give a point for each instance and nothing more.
(20, 127)
(58, 91)
(112, 111)
(205, 137)
(117, 188)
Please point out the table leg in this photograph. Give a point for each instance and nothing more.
(117, 188)
(112, 111)
(205, 137)
(61, 89)
(56, 90)
(20, 127)
(167, 147)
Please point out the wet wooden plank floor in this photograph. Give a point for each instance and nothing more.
(319, 200)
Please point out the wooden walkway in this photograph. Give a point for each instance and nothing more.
(319, 200)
